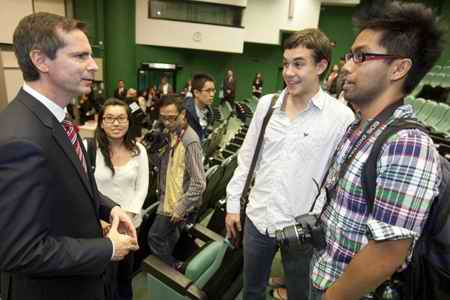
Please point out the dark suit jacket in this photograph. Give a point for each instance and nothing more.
(231, 86)
(51, 243)
(193, 120)
(121, 95)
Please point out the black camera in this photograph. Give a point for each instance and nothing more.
(157, 138)
(307, 230)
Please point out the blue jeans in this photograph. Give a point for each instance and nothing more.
(315, 294)
(259, 250)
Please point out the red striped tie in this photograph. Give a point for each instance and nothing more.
(72, 131)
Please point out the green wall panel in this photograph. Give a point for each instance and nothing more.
(120, 41)
(336, 23)
(445, 14)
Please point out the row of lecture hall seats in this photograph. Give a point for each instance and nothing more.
(436, 117)
(212, 268)
(435, 85)
(433, 115)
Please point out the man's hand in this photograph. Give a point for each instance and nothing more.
(105, 227)
(125, 225)
(123, 243)
(233, 225)
(175, 218)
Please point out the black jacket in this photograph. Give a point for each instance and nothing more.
(193, 120)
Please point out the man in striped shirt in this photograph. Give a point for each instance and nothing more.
(182, 179)
(397, 45)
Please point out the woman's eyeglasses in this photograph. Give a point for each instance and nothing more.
(110, 119)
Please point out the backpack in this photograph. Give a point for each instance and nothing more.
(428, 274)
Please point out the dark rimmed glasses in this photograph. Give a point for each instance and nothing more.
(110, 119)
(170, 118)
(360, 57)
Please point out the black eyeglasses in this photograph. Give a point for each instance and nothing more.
(209, 91)
(360, 57)
(170, 118)
(108, 119)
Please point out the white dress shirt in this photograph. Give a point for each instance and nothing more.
(293, 153)
(54, 108)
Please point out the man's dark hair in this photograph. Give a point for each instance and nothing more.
(199, 80)
(172, 99)
(312, 39)
(409, 30)
(39, 32)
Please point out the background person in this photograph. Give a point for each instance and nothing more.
(181, 183)
(229, 88)
(122, 174)
(257, 86)
(199, 113)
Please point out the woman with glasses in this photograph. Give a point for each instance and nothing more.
(122, 174)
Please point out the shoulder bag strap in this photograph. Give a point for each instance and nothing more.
(248, 181)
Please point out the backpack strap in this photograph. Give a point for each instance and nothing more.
(91, 151)
(369, 173)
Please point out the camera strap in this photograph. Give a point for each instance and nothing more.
(248, 181)
(373, 126)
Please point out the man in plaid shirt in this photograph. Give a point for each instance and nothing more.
(397, 45)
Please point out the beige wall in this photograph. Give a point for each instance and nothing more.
(186, 35)
(264, 19)
(13, 10)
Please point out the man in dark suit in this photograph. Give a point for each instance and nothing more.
(51, 241)
(120, 92)
(198, 109)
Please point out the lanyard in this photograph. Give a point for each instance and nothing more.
(179, 137)
(341, 169)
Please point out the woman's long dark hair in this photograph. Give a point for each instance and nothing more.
(102, 138)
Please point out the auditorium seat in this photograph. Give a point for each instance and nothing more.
(426, 110)
(437, 115)
(213, 176)
(164, 282)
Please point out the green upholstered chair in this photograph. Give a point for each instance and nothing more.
(213, 177)
(418, 104)
(437, 115)
(426, 111)
(443, 127)
(164, 282)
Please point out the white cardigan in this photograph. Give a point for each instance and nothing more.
(129, 185)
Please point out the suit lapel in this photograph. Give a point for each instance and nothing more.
(60, 136)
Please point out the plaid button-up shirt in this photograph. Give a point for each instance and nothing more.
(408, 176)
